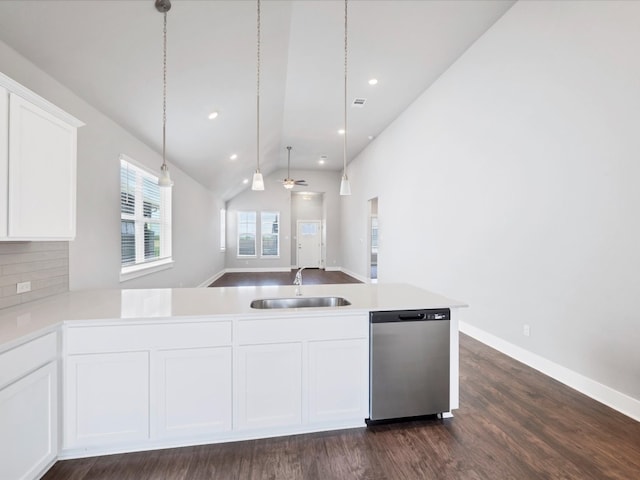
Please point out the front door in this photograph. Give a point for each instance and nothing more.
(309, 237)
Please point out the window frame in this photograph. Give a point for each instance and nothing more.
(164, 261)
(239, 232)
(263, 233)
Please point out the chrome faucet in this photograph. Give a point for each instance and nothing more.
(298, 281)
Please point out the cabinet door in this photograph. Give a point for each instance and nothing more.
(106, 399)
(269, 385)
(29, 425)
(42, 174)
(193, 391)
(338, 380)
(4, 159)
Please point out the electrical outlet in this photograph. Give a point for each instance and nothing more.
(526, 330)
(23, 287)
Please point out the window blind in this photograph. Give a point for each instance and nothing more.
(145, 216)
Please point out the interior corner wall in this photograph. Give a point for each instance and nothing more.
(94, 255)
(512, 184)
(276, 198)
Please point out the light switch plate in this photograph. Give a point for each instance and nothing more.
(23, 287)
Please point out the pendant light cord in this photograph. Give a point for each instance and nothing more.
(258, 95)
(164, 92)
(344, 153)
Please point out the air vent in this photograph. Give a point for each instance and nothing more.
(358, 102)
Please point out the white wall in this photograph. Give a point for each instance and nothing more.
(276, 198)
(512, 184)
(94, 256)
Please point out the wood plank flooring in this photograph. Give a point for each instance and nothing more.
(513, 423)
(311, 276)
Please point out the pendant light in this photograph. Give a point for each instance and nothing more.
(288, 182)
(163, 6)
(345, 186)
(258, 182)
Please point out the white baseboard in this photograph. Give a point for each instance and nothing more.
(612, 398)
(356, 276)
(212, 279)
(333, 269)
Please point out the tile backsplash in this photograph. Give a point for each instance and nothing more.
(44, 264)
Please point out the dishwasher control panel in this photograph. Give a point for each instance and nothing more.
(410, 315)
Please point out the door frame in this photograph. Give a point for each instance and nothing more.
(372, 214)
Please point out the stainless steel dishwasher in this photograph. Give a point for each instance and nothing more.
(409, 363)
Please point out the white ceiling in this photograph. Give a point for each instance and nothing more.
(109, 52)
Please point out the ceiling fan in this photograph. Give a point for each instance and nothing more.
(289, 182)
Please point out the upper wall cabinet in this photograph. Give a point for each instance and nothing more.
(38, 144)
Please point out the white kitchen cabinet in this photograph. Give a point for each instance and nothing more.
(28, 424)
(269, 385)
(38, 142)
(338, 380)
(139, 383)
(29, 409)
(136, 385)
(302, 371)
(106, 399)
(193, 391)
(4, 161)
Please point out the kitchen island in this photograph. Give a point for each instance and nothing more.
(146, 369)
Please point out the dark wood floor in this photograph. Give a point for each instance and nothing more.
(513, 423)
(311, 276)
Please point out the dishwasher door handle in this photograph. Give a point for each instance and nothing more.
(414, 316)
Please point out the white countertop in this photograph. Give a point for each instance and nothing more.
(20, 323)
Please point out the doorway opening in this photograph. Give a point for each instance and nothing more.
(373, 240)
(307, 226)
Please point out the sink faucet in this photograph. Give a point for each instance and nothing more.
(298, 281)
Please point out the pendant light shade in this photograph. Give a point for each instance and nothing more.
(345, 187)
(258, 182)
(163, 6)
(165, 178)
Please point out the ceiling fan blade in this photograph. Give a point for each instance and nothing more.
(301, 182)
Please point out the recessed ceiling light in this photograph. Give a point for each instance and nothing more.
(245, 181)
(234, 156)
(323, 158)
(373, 81)
(213, 115)
(370, 137)
(341, 131)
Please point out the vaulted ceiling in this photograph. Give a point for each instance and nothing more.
(109, 52)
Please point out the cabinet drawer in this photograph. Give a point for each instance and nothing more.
(25, 358)
(278, 330)
(120, 338)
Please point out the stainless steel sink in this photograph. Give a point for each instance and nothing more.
(300, 302)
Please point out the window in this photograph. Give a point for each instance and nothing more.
(246, 234)
(269, 228)
(223, 229)
(145, 221)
